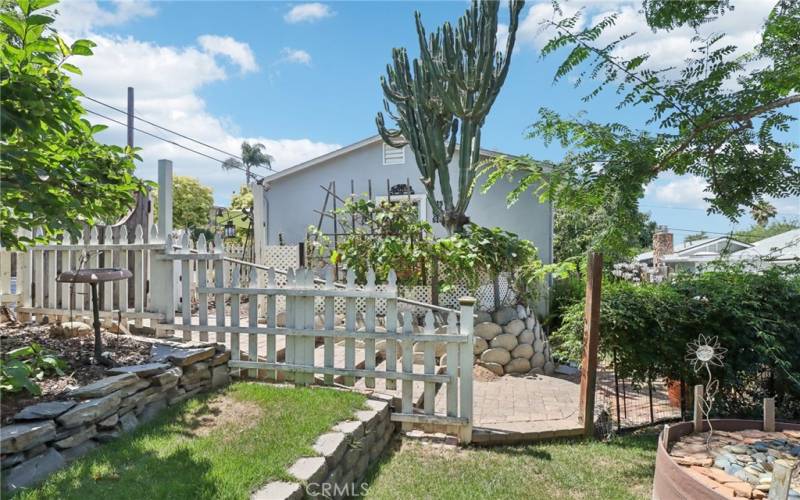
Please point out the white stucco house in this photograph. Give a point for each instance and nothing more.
(295, 196)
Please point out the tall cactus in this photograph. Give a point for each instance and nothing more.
(446, 98)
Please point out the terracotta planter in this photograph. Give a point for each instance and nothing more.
(674, 393)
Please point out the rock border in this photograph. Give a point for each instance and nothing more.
(345, 454)
(47, 436)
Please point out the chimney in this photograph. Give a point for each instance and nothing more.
(662, 245)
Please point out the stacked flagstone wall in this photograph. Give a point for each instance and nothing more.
(47, 436)
(511, 341)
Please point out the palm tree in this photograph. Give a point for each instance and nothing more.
(253, 155)
(762, 212)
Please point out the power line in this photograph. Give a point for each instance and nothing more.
(120, 110)
(170, 142)
(696, 209)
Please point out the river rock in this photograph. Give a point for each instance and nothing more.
(514, 327)
(488, 331)
(522, 313)
(483, 317)
(504, 315)
(522, 351)
(104, 387)
(90, 410)
(495, 368)
(525, 337)
(19, 437)
(537, 361)
(549, 368)
(479, 346)
(499, 356)
(71, 329)
(440, 348)
(518, 365)
(44, 411)
(530, 323)
(33, 471)
(538, 346)
(505, 341)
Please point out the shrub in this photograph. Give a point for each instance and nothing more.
(25, 365)
(754, 315)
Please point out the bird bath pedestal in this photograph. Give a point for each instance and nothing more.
(93, 277)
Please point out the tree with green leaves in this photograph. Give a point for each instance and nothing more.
(762, 211)
(716, 118)
(55, 175)
(442, 98)
(192, 203)
(760, 232)
(253, 156)
(696, 237)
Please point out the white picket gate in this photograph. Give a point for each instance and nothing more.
(301, 335)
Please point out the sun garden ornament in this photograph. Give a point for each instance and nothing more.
(705, 352)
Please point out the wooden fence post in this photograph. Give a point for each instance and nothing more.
(698, 408)
(162, 289)
(769, 414)
(465, 371)
(591, 339)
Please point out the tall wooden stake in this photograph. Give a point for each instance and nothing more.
(591, 339)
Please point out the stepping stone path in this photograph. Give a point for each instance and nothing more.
(739, 463)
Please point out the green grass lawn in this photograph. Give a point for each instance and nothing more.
(223, 445)
(621, 468)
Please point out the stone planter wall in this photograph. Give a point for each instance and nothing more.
(511, 341)
(47, 436)
(344, 456)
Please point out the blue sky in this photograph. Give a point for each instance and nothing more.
(304, 79)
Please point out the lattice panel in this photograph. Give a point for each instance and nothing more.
(282, 256)
(418, 293)
(484, 295)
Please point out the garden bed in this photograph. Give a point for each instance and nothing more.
(76, 352)
(222, 445)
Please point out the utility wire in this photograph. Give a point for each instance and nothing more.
(697, 209)
(120, 110)
(170, 142)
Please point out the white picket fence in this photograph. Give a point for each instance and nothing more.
(38, 294)
(300, 334)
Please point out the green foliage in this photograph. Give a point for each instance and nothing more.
(706, 128)
(381, 235)
(253, 155)
(191, 203)
(754, 315)
(696, 237)
(759, 232)
(384, 236)
(55, 174)
(26, 365)
(241, 202)
(446, 98)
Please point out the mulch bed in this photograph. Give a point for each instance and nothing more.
(77, 352)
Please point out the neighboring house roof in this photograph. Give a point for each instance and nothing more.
(345, 150)
(697, 250)
(781, 247)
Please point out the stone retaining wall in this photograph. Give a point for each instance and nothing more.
(47, 436)
(512, 341)
(344, 456)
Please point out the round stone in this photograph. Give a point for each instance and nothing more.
(537, 361)
(526, 337)
(530, 322)
(483, 317)
(506, 341)
(488, 330)
(522, 351)
(538, 346)
(519, 365)
(479, 346)
(499, 356)
(504, 315)
(514, 327)
(495, 368)
(549, 368)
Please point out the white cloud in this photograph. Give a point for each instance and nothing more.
(666, 48)
(80, 16)
(238, 52)
(685, 191)
(168, 81)
(296, 56)
(308, 12)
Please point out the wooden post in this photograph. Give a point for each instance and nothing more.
(591, 339)
(465, 370)
(163, 276)
(698, 408)
(769, 414)
(259, 237)
(781, 480)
